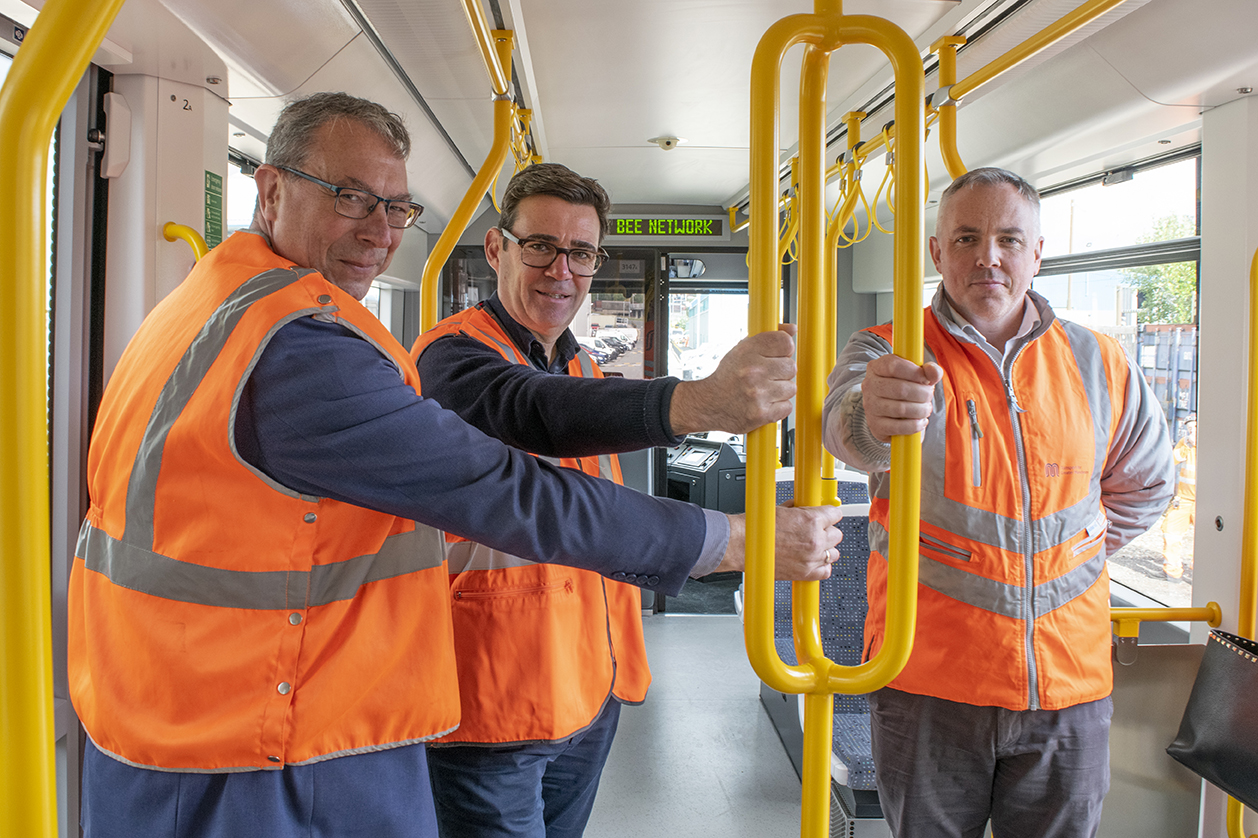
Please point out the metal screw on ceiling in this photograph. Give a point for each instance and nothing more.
(1244, 91)
(213, 80)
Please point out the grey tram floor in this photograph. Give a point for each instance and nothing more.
(700, 757)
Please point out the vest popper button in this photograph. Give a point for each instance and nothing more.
(324, 299)
(310, 518)
(284, 688)
(294, 619)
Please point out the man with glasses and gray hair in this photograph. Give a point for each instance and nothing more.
(259, 633)
(546, 654)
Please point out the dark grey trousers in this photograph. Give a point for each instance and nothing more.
(944, 769)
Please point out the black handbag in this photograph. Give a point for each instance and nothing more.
(1218, 737)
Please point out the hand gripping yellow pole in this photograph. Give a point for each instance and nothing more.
(1247, 612)
(815, 676)
(504, 116)
(53, 57)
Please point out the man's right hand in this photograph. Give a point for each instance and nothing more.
(897, 396)
(804, 542)
(752, 386)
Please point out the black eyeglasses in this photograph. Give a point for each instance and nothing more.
(359, 203)
(537, 253)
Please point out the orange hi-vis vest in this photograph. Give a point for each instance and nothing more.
(540, 648)
(219, 621)
(1013, 594)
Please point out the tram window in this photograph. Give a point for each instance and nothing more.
(242, 195)
(702, 327)
(1149, 303)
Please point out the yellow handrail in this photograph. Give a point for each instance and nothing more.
(52, 59)
(814, 675)
(430, 285)
(1043, 39)
(173, 232)
(1127, 620)
(1247, 607)
(946, 47)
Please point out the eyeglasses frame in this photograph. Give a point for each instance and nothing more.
(337, 190)
(600, 254)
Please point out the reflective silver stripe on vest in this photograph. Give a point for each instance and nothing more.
(179, 388)
(138, 569)
(990, 595)
(507, 350)
(587, 366)
(469, 555)
(1002, 531)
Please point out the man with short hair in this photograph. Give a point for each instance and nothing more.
(542, 676)
(1043, 451)
(259, 639)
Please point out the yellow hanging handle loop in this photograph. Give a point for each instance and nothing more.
(173, 232)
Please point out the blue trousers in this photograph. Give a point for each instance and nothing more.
(521, 791)
(944, 769)
(383, 794)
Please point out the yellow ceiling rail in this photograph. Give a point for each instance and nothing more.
(497, 65)
(52, 59)
(174, 232)
(504, 116)
(818, 678)
(1068, 23)
(946, 48)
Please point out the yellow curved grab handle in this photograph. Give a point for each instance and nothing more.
(946, 47)
(174, 232)
(819, 675)
(50, 63)
(504, 117)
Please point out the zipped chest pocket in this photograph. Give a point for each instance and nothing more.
(976, 433)
(1093, 534)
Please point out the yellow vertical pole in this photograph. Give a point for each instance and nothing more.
(810, 392)
(430, 285)
(53, 57)
(1247, 611)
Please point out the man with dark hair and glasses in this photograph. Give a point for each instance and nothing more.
(547, 654)
(260, 635)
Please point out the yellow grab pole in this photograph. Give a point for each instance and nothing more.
(1247, 611)
(498, 67)
(430, 285)
(52, 59)
(810, 393)
(946, 47)
(1043, 39)
(173, 232)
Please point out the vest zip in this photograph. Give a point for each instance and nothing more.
(976, 471)
(1028, 549)
(535, 589)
